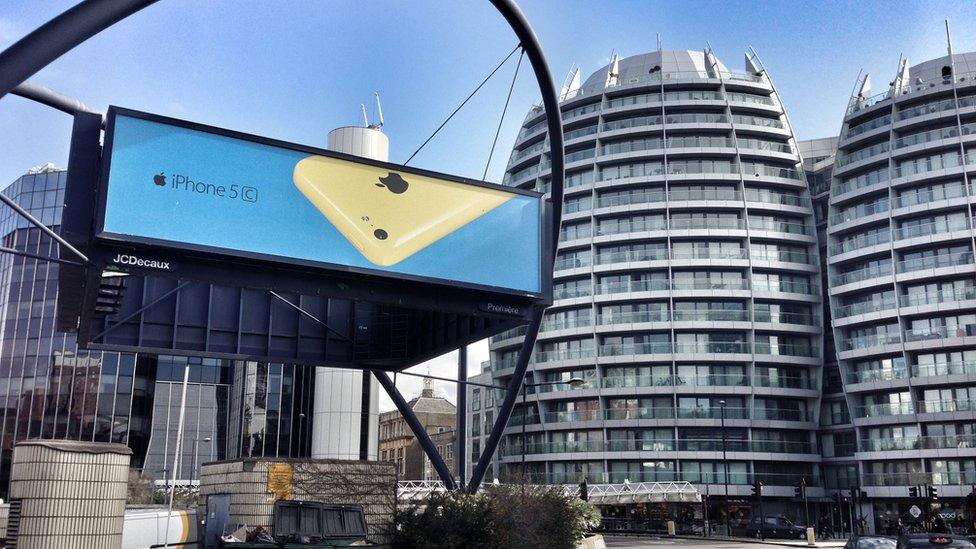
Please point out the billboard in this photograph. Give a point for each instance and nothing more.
(186, 186)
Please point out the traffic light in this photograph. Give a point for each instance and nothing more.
(584, 491)
(933, 493)
(913, 492)
(757, 489)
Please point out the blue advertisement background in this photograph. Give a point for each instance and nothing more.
(500, 248)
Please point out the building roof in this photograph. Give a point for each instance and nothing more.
(431, 404)
(640, 65)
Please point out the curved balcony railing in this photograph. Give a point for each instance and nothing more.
(860, 308)
(631, 286)
(932, 163)
(655, 475)
(781, 414)
(622, 227)
(857, 212)
(964, 478)
(570, 293)
(641, 412)
(849, 184)
(931, 227)
(934, 135)
(706, 223)
(571, 263)
(631, 317)
(917, 443)
(628, 256)
(872, 124)
(580, 132)
(785, 349)
(940, 369)
(947, 406)
(861, 154)
(624, 349)
(708, 284)
(784, 382)
(935, 262)
(646, 197)
(940, 332)
(867, 376)
(861, 241)
(761, 121)
(788, 286)
(709, 253)
(564, 354)
(857, 275)
(779, 226)
(551, 324)
(943, 192)
(866, 341)
(712, 347)
(787, 256)
(658, 445)
(763, 145)
(884, 409)
(773, 197)
(714, 413)
(716, 315)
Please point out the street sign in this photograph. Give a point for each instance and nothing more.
(915, 511)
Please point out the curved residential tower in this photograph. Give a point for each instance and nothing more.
(687, 290)
(903, 280)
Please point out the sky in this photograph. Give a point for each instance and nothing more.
(299, 68)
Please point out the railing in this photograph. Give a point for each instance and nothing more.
(750, 98)
(657, 445)
(631, 286)
(508, 334)
(684, 224)
(947, 406)
(930, 195)
(626, 256)
(932, 163)
(939, 369)
(785, 349)
(708, 284)
(849, 184)
(872, 124)
(551, 324)
(787, 256)
(940, 332)
(580, 155)
(788, 286)
(571, 263)
(963, 478)
(779, 226)
(570, 293)
(580, 132)
(859, 211)
(781, 414)
(712, 347)
(884, 409)
(708, 253)
(927, 108)
(772, 197)
(564, 354)
(757, 121)
(861, 241)
(717, 315)
(641, 412)
(863, 342)
(683, 195)
(907, 88)
(861, 154)
(917, 443)
(935, 262)
(860, 308)
(631, 317)
(934, 135)
(784, 382)
(703, 412)
(622, 227)
(656, 475)
(866, 376)
(858, 275)
(623, 349)
(645, 197)
(571, 415)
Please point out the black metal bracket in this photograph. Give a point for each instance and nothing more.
(140, 310)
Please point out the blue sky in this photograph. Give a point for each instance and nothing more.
(297, 70)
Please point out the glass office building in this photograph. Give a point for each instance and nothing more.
(687, 286)
(903, 280)
(51, 389)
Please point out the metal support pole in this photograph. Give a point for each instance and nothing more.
(176, 455)
(525, 415)
(53, 99)
(725, 477)
(44, 228)
(806, 504)
(418, 430)
(762, 516)
(462, 414)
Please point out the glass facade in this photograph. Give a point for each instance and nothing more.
(51, 389)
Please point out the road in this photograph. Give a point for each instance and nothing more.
(633, 542)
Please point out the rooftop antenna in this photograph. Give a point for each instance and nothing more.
(659, 42)
(948, 37)
(379, 111)
(365, 118)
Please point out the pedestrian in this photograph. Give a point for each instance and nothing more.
(939, 525)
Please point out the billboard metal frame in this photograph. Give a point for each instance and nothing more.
(61, 34)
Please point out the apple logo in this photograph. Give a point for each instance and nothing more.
(394, 183)
(159, 179)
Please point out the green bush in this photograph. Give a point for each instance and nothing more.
(500, 517)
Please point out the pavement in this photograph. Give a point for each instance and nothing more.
(641, 542)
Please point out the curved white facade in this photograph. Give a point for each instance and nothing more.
(687, 275)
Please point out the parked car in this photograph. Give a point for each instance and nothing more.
(871, 542)
(775, 527)
(935, 541)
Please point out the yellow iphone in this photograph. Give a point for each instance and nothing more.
(389, 216)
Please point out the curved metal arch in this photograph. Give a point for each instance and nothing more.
(58, 36)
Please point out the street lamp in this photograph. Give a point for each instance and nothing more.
(196, 456)
(725, 472)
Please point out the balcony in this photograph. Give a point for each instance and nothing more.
(935, 262)
(933, 163)
(924, 197)
(867, 341)
(930, 228)
(712, 347)
(918, 443)
(932, 298)
(781, 414)
(860, 242)
(631, 317)
(772, 197)
(869, 376)
(565, 263)
(934, 135)
(857, 275)
(642, 412)
(709, 284)
(884, 409)
(859, 212)
(624, 227)
(785, 349)
(784, 382)
(631, 286)
(963, 478)
(943, 332)
(940, 369)
(872, 124)
(779, 226)
(715, 315)
(571, 292)
(865, 307)
(947, 406)
(626, 349)
(629, 256)
(564, 354)
(702, 412)
(787, 286)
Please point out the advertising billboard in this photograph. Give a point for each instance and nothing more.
(186, 186)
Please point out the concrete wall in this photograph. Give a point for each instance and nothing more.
(371, 484)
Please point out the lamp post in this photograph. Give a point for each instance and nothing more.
(725, 472)
(196, 456)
